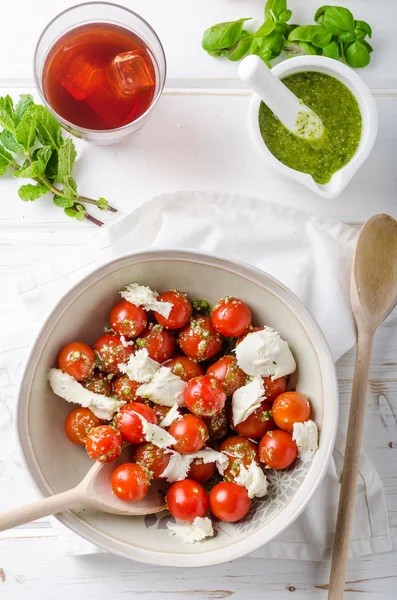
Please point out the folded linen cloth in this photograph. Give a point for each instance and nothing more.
(310, 254)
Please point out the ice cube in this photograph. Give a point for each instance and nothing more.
(130, 73)
(83, 76)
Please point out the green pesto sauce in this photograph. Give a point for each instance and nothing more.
(334, 103)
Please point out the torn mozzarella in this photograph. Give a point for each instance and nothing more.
(172, 415)
(140, 366)
(69, 389)
(247, 399)
(208, 456)
(141, 295)
(253, 480)
(125, 342)
(154, 434)
(177, 468)
(189, 533)
(164, 388)
(306, 437)
(266, 354)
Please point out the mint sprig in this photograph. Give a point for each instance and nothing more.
(31, 132)
(336, 35)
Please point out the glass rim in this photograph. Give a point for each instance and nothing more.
(37, 81)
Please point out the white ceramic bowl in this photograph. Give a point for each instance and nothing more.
(369, 115)
(56, 465)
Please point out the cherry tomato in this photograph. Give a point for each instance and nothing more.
(159, 410)
(231, 317)
(190, 433)
(77, 359)
(110, 352)
(104, 443)
(239, 451)
(204, 396)
(125, 389)
(159, 342)
(181, 310)
(186, 368)
(290, 408)
(187, 500)
(229, 502)
(217, 425)
(274, 387)
(99, 384)
(130, 482)
(199, 339)
(258, 423)
(154, 459)
(200, 471)
(129, 423)
(79, 423)
(226, 371)
(277, 449)
(128, 319)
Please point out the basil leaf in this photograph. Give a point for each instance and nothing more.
(7, 114)
(9, 141)
(332, 51)
(357, 55)
(25, 132)
(48, 129)
(319, 16)
(239, 50)
(338, 19)
(30, 192)
(315, 34)
(222, 35)
(363, 25)
(367, 45)
(66, 158)
(63, 202)
(274, 8)
(270, 46)
(285, 16)
(217, 53)
(25, 101)
(6, 159)
(299, 49)
(31, 171)
(347, 37)
(265, 29)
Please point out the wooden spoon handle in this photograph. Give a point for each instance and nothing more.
(42, 508)
(350, 467)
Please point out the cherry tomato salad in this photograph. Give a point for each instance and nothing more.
(198, 395)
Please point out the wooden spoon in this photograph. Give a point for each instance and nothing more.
(94, 491)
(373, 297)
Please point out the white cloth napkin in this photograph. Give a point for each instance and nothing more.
(310, 254)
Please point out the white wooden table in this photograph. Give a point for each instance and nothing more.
(197, 139)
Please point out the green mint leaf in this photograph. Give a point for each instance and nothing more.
(31, 171)
(332, 51)
(7, 114)
(357, 55)
(49, 130)
(285, 16)
(51, 170)
(347, 37)
(338, 19)
(239, 50)
(30, 192)
(319, 16)
(8, 140)
(315, 34)
(274, 8)
(25, 102)
(6, 159)
(43, 154)
(364, 26)
(222, 35)
(66, 158)
(77, 212)
(70, 187)
(265, 29)
(299, 49)
(25, 132)
(63, 202)
(102, 204)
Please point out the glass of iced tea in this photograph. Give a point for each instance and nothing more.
(100, 69)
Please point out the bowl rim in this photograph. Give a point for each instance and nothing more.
(316, 471)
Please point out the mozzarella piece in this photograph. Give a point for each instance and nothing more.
(189, 533)
(247, 399)
(154, 434)
(172, 415)
(177, 468)
(141, 295)
(208, 456)
(164, 388)
(253, 480)
(266, 354)
(140, 366)
(125, 342)
(306, 437)
(69, 389)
